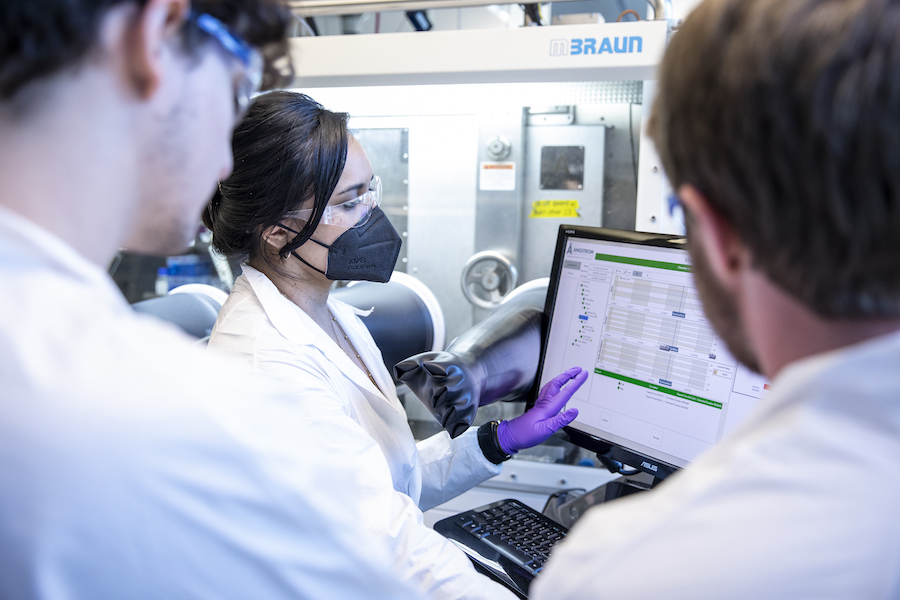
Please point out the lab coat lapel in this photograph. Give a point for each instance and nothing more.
(347, 366)
(346, 317)
(296, 326)
(289, 319)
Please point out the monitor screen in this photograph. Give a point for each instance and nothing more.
(662, 387)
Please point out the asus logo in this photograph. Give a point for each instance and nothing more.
(647, 465)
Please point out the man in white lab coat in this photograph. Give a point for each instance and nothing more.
(778, 123)
(133, 464)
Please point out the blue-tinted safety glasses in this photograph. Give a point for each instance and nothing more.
(676, 213)
(247, 82)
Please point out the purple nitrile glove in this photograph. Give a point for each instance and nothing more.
(544, 418)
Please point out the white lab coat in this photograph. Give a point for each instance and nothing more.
(801, 501)
(370, 429)
(135, 465)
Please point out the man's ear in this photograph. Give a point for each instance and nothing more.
(713, 235)
(155, 26)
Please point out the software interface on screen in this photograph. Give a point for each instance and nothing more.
(662, 382)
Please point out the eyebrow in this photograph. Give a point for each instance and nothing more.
(356, 186)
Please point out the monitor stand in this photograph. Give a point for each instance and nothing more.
(566, 509)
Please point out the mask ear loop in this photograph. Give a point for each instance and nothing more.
(286, 228)
(298, 257)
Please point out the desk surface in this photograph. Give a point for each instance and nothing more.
(527, 481)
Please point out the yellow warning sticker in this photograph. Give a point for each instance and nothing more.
(554, 209)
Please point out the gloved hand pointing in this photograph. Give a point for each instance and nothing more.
(544, 418)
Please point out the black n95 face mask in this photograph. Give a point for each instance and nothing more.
(365, 253)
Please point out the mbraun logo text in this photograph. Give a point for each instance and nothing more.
(616, 45)
(559, 47)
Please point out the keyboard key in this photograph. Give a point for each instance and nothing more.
(518, 532)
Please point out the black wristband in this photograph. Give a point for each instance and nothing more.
(490, 445)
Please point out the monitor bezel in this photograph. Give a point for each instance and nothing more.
(589, 441)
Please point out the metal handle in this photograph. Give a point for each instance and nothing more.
(662, 9)
(487, 278)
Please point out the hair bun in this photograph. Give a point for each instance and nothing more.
(211, 212)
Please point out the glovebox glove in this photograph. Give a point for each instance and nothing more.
(496, 360)
(544, 418)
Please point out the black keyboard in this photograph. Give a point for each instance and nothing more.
(507, 538)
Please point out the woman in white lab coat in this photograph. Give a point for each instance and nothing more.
(301, 209)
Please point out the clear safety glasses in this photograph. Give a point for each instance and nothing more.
(247, 82)
(349, 214)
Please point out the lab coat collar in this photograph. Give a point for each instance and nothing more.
(29, 246)
(299, 328)
(819, 374)
(346, 316)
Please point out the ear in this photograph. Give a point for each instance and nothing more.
(157, 24)
(714, 236)
(277, 238)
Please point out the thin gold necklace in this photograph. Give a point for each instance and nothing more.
(337, 337)
(340, 330)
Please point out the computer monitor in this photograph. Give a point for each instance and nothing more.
(662, 387)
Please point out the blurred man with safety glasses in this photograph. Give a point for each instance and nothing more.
(132, 463)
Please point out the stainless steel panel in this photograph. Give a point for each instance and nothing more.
(622, 119)
(498, 218)
(388, 151)
(443, 151)
(449, 218)
(539, 233)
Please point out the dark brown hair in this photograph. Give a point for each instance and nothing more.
(288, 149)
(785, 114)
(40, 38)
